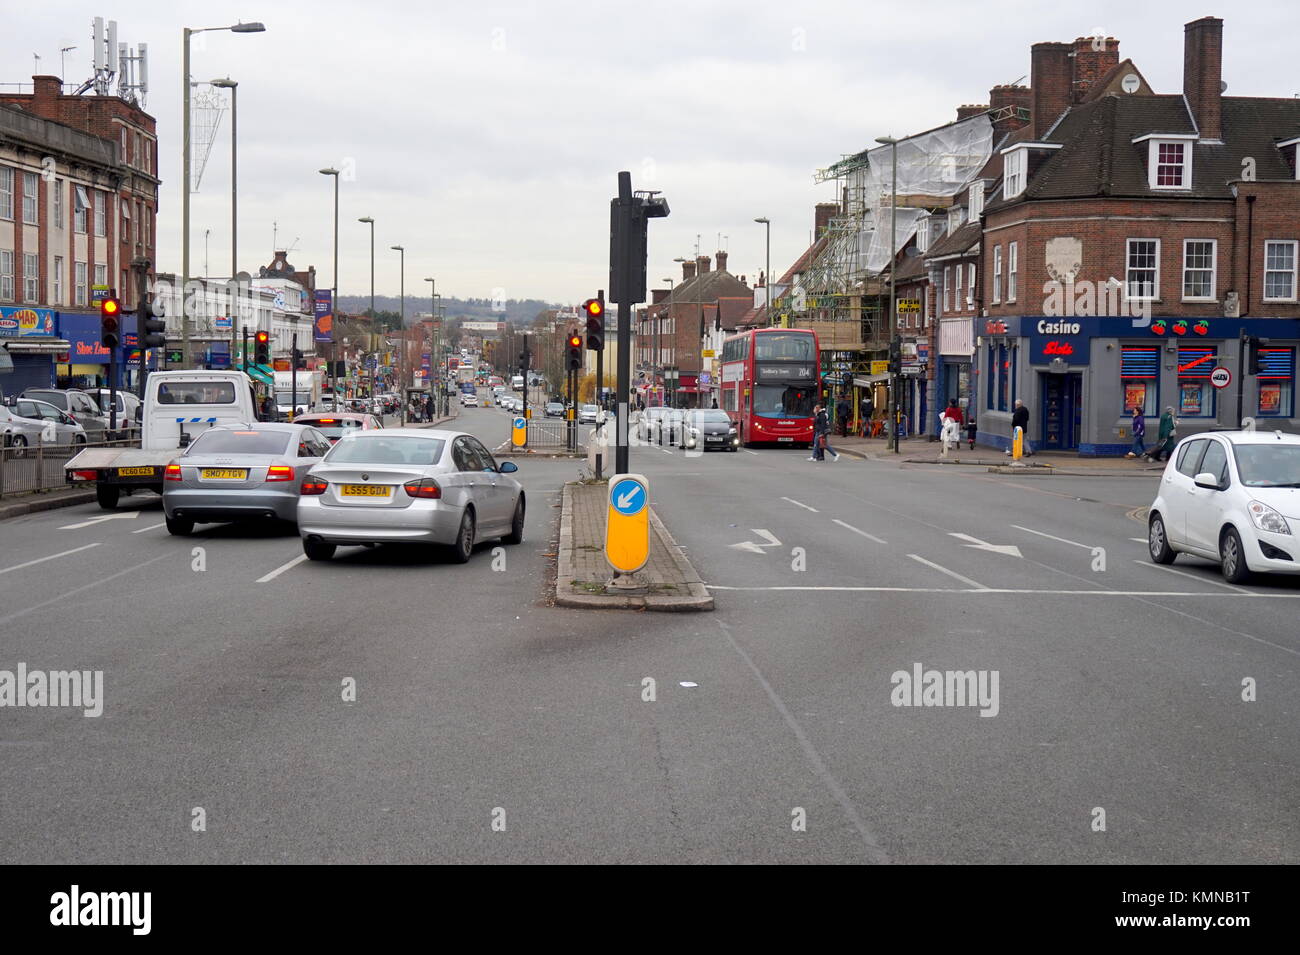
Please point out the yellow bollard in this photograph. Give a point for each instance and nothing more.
(1017, 443)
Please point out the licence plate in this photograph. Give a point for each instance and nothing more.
(364, 490)
(135, 472)
(785, 439)
(229, 474)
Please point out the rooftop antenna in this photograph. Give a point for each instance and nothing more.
(63, 60)
(37, 64)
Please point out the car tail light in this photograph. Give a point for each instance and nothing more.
(173, 473)
(84, 475)
(279, 472)
(313, 486)
(426, 488)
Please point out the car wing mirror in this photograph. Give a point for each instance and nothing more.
(507, 467)
(1207, 480)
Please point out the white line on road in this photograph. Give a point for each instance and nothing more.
(1011, 590)
(857, 531)
(1196, 577)
(754, 453)
(41, 560)
(76, 590)
(944, 570)
(151, 527)
(282, 568)
(100, 519)
(1030, 530)
(798, 504)
(1140, 540)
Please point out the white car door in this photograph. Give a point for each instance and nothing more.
(499, 494)
(1177, 489)
(1207, 507)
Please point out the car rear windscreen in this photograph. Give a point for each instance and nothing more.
(241, 442)
(334, 428)
(375, 448)
(196, 393)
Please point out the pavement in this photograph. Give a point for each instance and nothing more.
(922, 451)
(668, 581)
(393, 706)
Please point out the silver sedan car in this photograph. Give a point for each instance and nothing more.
(27, 422)
(233, 474)
(409, 485)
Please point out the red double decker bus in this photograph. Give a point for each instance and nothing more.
(770, 382)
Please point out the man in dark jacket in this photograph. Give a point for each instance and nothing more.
(1020, 419)
(821, 433)
(842, 413)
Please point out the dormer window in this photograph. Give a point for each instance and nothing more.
(1169, 161)
(1290, 148)
(976, 200)
(955, 218)
(923, 235)
(1014, 164)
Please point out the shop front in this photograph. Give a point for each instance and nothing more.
(29, 346)
(1081, 378)
(953, 378)
(85, 362)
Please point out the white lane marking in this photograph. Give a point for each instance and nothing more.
(41, 560)
(1030, 530)
(799, 504)
(758, 548)
(1011, 550)
(151, 527)
(754, 453)
(1140, 540)
(1011, 590)
(282, 568)
(944, 570)
(665, 451)
(76, 590)
(857, 531)
(1199, 579)
(120, 515)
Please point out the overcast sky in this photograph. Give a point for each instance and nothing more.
(486, 137)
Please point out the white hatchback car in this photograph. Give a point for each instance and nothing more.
(1231, 497)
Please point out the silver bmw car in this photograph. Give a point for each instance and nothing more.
(409, 485)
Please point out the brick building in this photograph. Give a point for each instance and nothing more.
(1130, 243)
(78, 204)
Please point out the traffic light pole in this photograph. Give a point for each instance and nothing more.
(293, 375)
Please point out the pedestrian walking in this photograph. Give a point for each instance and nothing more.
(1166, 436)
(821, 435)
(842, 412)
(954, 412)
(1139, 432)
(1020, 419)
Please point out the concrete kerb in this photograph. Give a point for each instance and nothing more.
(44, 501)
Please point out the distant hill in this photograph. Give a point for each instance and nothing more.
(475, 309)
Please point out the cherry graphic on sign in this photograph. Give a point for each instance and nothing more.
(1158, 328)
(1180, 327)
(1202, 327)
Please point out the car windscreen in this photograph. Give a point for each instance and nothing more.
(1268, 465)
(780, 401)
(56, 398)
(386, 449)
(196, 393)
(240, 442)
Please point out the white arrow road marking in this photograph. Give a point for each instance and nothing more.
(799, 504)
(625, 500)
(944, 570)
(1011, 550)
(100, 519)
(1030, 530)
(41, 560)
(758, 548)
(855, 530)
(151, 527)
(282, 568)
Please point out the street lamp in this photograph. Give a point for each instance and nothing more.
(894, 346)
(767, 288)
(334, 295)
(186, 33)
(401, 353)
(371, 222)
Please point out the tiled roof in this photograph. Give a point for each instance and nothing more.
(709, 287)
(956, 243)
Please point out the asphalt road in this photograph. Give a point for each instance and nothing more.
(1118, 689)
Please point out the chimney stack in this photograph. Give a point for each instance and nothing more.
(1051, 79)
(823, 213)
(969, 110)
(657, 295)
(721, 259)
(1203, 74)
(1019, 97)
(45, 96)
(688, 271)
(1091, 63)
(702, 263)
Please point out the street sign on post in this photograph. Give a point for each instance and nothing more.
(519, 431)
(1221, 377)
(627, 525)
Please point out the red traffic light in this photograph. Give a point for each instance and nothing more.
(575, 341)
(262, 338)
(592, 307)
(109, 306)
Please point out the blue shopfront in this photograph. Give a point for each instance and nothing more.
(85, 362)
(1082, 377)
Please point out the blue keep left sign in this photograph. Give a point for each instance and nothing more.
(520, 423)
(628, 497)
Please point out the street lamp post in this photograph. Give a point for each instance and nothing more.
(186, 33)
(433, 316)
(767, 269)
(334, 294)
(371, 222)
(401, 345)
(894, 346)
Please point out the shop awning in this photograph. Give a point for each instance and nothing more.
(869, 380)
(37, 346)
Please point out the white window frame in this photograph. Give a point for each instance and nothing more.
(31, 278)
(970, 286)
(975, 201)
(923, 235)
(1015, 165)
(1213, 270)
(31, 198)
(80, 209)
(1128, 270)
(997, 275)
(1013, 270)
(56, 204)
(956, 291)
(81, 289)
(1153, 160)
(57, 281)
(6, 275)
(6, 192)
(100, 201)
(101, 273)
(1293, 272)
(947, 287)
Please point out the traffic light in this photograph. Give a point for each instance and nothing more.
(110, 323)
(574, 362)
(895, 357)
(153, 329)
(262, 348)
(298, 361)
(595, 311)
(1253, 343)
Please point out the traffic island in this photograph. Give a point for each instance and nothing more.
(668, 582)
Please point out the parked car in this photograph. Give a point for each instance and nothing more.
(79, 405)
(648, 423)
(662, 425)
(704, 429)
(587, 414)
(335, 426)
(127, 405)
(1232, 497)
(468, 400)
(234, 474)
(554, 409)
(409, 486)
(25, 423)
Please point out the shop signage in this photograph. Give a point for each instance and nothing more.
(783, 372)
(1221, 377)
(1059, 341)
(323, 324)
(19, 322)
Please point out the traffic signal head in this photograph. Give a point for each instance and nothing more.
(574, 350)
(153, 329)
(110, 322)
(595, 311)
(262, 348)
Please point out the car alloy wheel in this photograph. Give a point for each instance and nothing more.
(1158, 541)
(463, 549)
(19, 445)
(516, 535)
(1232, 558)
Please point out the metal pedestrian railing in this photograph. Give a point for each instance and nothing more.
(38, 465)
